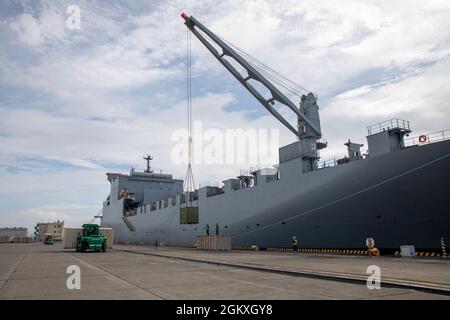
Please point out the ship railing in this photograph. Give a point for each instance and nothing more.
(213, 184)
(428, 138)
(247, 173)
(253, 169)
(365, 152)
(327, 163)
(330, 162)
(339, 159)
(388, 124)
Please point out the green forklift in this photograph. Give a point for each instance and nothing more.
(91, 239)
(48, 238)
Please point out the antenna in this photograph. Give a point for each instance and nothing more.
(148, 158)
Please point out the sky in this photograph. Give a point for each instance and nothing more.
(77, 103)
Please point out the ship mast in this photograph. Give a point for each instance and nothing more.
(148, 158)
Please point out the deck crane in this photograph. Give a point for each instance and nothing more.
(307, 113)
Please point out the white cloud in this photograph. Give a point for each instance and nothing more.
(34, 31)
(421, 99)
(27, 29)
(420, 96)
(75, 141)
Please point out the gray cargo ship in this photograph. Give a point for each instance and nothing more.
(397, 193)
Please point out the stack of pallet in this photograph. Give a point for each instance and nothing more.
(5, 239)
(15, 240)
(21, 239)
(214, 243)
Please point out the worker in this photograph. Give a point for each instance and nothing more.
(156, 243)
(294, 244)
(217, 229)
(370, 243)
(207, 229)
(123, 193)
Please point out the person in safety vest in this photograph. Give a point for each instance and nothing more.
(294, 244)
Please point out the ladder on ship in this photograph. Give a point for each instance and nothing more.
(128, 224)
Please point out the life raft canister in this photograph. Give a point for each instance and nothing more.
(423, 138)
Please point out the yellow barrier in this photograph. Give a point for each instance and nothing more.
(321, 251)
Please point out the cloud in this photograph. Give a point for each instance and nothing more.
(32, 31)
(421, 97)
(70, 139)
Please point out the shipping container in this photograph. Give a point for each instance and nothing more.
(189, 215)
(70, 237)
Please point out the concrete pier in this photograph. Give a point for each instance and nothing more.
(411, 273)
(37, 271)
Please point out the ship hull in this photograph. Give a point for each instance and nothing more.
(398, 198)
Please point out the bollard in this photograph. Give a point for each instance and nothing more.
(444, 251)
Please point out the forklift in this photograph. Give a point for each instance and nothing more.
(48, 238)
(91, 239)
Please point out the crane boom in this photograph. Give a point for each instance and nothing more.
(254, 74)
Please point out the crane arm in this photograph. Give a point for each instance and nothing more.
(254, 74)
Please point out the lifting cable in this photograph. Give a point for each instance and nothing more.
(189, 180)
(270, 73)
(278, 77)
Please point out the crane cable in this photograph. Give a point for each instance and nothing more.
(267, 71)
(278, 77)
(189, 180)
(188, 84)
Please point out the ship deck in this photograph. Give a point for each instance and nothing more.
(37, 271)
